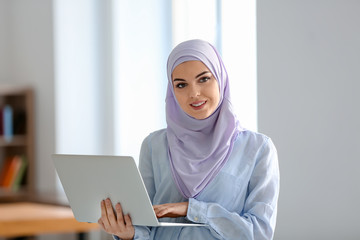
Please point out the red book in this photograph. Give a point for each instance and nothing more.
(17, 165)
(11, 171)
(4, 170)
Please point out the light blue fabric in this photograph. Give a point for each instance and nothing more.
(240, 202)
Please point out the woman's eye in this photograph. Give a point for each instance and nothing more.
(180, 85)
(204, 79)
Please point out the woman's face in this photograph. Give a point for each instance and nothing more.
(196, 89)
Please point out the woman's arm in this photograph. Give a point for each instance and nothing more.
(258, 217)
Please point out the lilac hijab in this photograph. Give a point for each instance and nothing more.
(198, 149)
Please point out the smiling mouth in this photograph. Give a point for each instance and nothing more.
(198, 105)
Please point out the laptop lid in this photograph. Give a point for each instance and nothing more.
(87, 180)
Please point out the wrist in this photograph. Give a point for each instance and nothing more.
(124, 238)
(128, 237)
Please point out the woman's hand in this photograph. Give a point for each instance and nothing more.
(116, 224)
(171, 209)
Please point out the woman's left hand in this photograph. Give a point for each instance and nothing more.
(171, 210)
(114, 222)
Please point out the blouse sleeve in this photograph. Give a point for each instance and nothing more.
(258, 217)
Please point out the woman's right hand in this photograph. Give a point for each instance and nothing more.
(115, 224)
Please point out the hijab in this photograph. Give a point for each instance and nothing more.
(199, 148)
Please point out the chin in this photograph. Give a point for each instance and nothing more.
(198, 116)
(201, 117)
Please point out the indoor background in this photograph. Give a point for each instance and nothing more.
(98, 71)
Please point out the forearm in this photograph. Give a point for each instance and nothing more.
(231, 225)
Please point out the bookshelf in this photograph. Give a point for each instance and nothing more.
(16, 142)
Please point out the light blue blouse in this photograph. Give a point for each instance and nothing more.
(239, 203)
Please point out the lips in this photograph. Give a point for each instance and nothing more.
(198, 105)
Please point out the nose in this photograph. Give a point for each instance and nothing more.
(194, 91)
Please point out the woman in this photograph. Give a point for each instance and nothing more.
(204, 167)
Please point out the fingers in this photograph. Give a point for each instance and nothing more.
(108, 217)
(119, 214)
(124, 222)
(110, 211)
(171, 209)
(128, 222)
(104, 217)
(114, 222)
(160, 210)
(101, 224)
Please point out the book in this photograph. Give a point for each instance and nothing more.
(19, 175)
(1, 122)
(15, 171)
(8, 123)
(11, 171)
(4, 170)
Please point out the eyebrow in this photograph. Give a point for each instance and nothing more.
(179, 79)
(199, 75)
(204, 72)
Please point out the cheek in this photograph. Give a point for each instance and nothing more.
(215, 93)
(216, 98)
(180, 98)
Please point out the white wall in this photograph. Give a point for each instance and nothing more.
(308, 83)
(3, 41)
(27, 41)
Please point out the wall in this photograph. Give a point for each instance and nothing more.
(308, 82)
(27, 38)
(4, 38)
(28, 59)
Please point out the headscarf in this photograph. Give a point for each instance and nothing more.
(199, 148)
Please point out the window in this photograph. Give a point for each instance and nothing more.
(238, 23)
(230, 26)
(142, 41)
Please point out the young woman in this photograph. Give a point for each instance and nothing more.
(204, 167)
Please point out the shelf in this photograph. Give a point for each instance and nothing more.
(9, 195)
(7, 192)
(17, 140)
(22, 142)
(13, 90)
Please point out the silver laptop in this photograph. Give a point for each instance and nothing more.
(87, 180)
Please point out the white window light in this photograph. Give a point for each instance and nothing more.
(239, 54)
(230, 25)
(194, 20)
